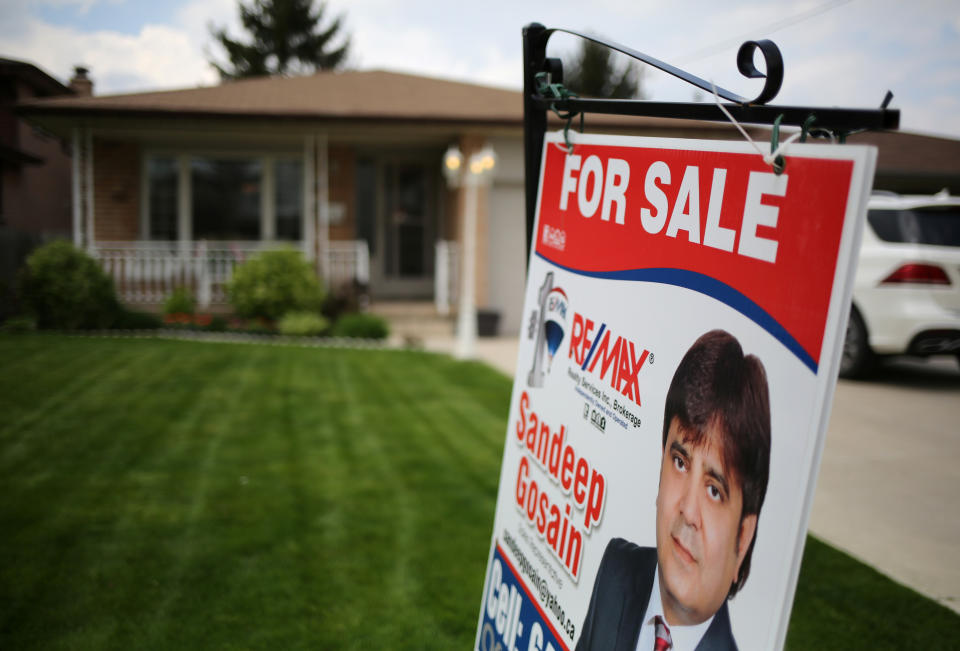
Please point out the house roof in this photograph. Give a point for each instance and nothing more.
(913, 162)
(358, 95)
(41, 83)
(912, 152)
(396, 98)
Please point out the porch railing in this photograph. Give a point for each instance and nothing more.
(146, 272)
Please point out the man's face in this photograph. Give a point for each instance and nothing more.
(700, 539)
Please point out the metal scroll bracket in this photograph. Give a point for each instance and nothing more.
(541, 72)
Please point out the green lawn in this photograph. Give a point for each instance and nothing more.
(166, 495)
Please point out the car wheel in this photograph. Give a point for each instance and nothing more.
(857, 357)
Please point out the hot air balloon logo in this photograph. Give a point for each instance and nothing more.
(554, 322)
(548, 322)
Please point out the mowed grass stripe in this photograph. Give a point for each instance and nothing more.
(87, 415)
(22, 359)
(66, 382)
(213, 419)
(440, 473)
(383, 504)
(458, 433)
(110, 467)
(253, 547)
(58, 475)
(130, 563)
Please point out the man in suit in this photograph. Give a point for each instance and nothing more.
(713, 480)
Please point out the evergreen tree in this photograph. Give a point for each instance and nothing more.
(594, 73)
(287, 37)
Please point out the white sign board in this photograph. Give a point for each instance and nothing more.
(685, 309)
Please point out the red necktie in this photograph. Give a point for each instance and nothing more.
(662, 641)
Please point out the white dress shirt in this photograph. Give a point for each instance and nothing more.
(685, 638)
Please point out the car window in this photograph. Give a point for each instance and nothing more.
(939, 225)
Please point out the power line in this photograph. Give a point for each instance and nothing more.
(767, 29)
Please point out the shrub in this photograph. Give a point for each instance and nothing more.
(134, 320)
(217, 324)
(63, 287)
(180, 301)
(18, 325)
(361, 326)
(302, 324)
(274, 283)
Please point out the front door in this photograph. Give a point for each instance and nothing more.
(402, 260)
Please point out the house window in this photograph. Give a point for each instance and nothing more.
(289, 199)
(162, 177)
(226, 198)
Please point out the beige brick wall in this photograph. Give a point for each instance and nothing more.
(116, 196)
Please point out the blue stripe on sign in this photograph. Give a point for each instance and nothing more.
(596, 340)
(708, 286)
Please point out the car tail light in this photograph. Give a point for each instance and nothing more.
(923, 274)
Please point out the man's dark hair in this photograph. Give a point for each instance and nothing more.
(715, 384)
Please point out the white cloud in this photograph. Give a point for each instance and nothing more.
(156, 57)
(82, 6)
(195, 17)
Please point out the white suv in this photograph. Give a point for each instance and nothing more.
(906, 295)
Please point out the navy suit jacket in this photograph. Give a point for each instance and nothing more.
(619, 600)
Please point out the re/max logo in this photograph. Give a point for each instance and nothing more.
(617, 356)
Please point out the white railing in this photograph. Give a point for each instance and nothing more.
(348, 262)
(446, 277)
(146, 272)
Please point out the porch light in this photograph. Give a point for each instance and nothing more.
(478, 168)
(483, 162)
(452, 162)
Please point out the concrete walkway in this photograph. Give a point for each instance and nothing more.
(889, 474)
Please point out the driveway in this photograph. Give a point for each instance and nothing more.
(889, 481)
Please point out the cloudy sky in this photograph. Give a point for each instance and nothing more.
(836, 52)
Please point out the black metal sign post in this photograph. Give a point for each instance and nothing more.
(542, 76)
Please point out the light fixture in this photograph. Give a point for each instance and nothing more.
(452, 164)
(483, 162)
(477, 168)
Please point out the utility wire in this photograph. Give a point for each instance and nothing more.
(767, 29)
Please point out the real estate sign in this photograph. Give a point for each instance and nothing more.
(684, 309)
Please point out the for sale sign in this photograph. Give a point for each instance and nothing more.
(685, 310)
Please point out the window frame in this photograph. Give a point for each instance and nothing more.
(267, 158)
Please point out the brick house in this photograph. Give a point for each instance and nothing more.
(34, 174)
(175, 188)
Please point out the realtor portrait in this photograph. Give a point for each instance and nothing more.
(712, 483)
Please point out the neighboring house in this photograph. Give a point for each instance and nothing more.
(34, 173)
(177, 187)
(911, 163)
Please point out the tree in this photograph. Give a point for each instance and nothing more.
(287, 38)
(595, 73)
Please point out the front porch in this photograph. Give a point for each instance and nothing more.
(184, 209)
(146, 272)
